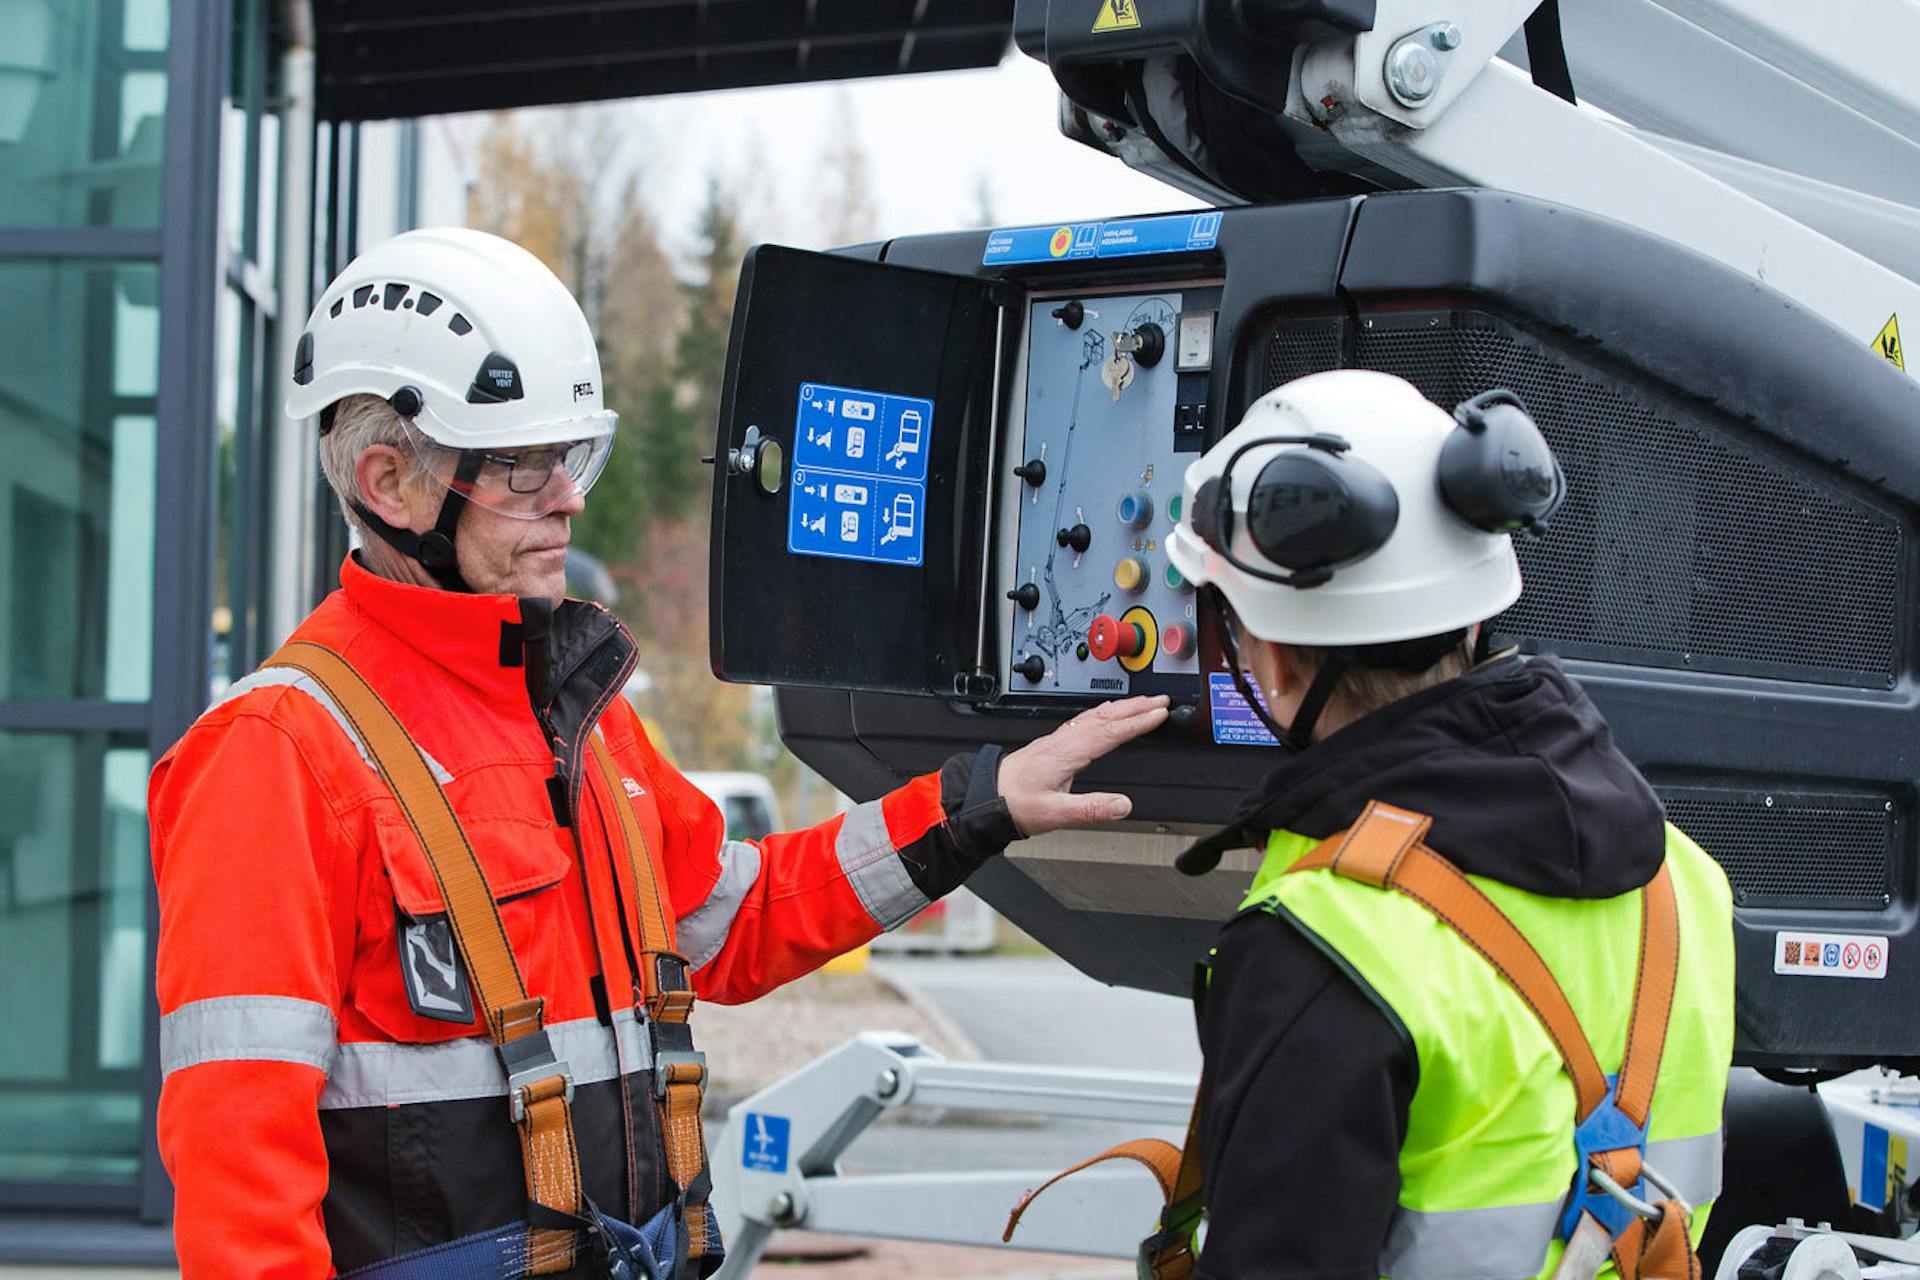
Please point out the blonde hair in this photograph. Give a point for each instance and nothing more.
(1364, 690)
(359, 423)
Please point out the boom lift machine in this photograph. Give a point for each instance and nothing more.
(948, 463)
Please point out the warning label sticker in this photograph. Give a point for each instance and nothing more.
(1887, 342)
(1829, 955)
(1117, 15)
(1234, 721)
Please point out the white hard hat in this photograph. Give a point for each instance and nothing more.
(1355, 512)
(474, 340)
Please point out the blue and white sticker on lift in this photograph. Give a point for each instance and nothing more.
(859, 488)
(764, 1148)
(1234, 721)
(1123, 238)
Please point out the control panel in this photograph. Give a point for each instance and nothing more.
(1108, 408)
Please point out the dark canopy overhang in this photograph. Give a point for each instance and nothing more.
(387, 59)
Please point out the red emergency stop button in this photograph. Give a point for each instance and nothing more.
(1109, 637)
(1177, 640)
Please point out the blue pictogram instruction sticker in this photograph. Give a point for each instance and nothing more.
(859, 487)
(765, 1147)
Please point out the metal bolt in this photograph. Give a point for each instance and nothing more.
(1413, 73)
(782, 1208)
(888, 1084)
(1769, 802)
(1445, 36)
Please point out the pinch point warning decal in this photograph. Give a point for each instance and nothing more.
(1887, 342)
(1829, 955)
(1117, 15)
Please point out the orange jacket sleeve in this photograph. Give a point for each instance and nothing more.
(754, 915)
(251, 863)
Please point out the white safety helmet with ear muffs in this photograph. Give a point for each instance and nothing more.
(1348, 510)
(484, 350)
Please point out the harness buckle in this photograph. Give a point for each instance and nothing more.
(1606, 1128)
(671, 1067)
(523, 1090)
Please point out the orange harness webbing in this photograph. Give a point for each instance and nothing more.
(679, 1073)
(540, 1093)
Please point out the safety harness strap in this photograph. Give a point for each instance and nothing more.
(540, 1090)
(679, 1072)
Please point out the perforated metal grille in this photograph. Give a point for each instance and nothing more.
(1298, 348)
(1678, 545)
(1833, 851)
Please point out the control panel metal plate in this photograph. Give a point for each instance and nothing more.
(1112, 471)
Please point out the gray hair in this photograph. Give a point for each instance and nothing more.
(359, 423)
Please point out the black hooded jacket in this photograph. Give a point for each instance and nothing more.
(1309, 1076)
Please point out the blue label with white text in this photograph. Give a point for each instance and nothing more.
(1121, 238)
(1234, 721)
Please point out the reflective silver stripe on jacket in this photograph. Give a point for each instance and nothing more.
(287, 677)
(247, 1029)
(392, 1075)
(702, 932)
(1510, 1242)
(873, 866)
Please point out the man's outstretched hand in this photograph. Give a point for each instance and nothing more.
(1035, 780)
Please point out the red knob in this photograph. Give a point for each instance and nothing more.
(1177, 640)
(1108, 637)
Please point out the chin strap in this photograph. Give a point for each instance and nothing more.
(434, 548)
(1299, 735)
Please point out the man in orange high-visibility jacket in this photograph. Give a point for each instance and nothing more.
(331, 1098)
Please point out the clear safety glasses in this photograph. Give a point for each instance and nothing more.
(525, 483)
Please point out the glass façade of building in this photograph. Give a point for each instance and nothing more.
(158, 532)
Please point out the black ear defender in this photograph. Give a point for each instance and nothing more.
(1309, 511)
(1497, 471)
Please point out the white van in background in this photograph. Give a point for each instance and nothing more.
(746, 801)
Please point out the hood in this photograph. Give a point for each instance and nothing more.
(1513, 763)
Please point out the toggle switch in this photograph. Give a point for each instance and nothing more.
(1032, 667)
(1033, 471)
(1131, 574)
(1079, 538)
(1177, 640)
(1135, 510)
(1070, 313)
(1027, 596)
(1108, 637)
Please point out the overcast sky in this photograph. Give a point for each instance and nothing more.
(929, 142)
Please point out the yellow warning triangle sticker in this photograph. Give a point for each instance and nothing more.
(1117, 15)
(1887, 341)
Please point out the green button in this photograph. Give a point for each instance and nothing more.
(1174, 580)
(1080, 651)
(1174, 505)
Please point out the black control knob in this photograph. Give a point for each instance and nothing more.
(1033, 471)
(1070, 313)
(1153, 345)
(1026, 596)
(1079, 538)
(1032, 667)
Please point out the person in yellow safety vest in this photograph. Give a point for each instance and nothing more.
(1378, 1097)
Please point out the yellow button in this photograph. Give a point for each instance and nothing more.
(1130, 574)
